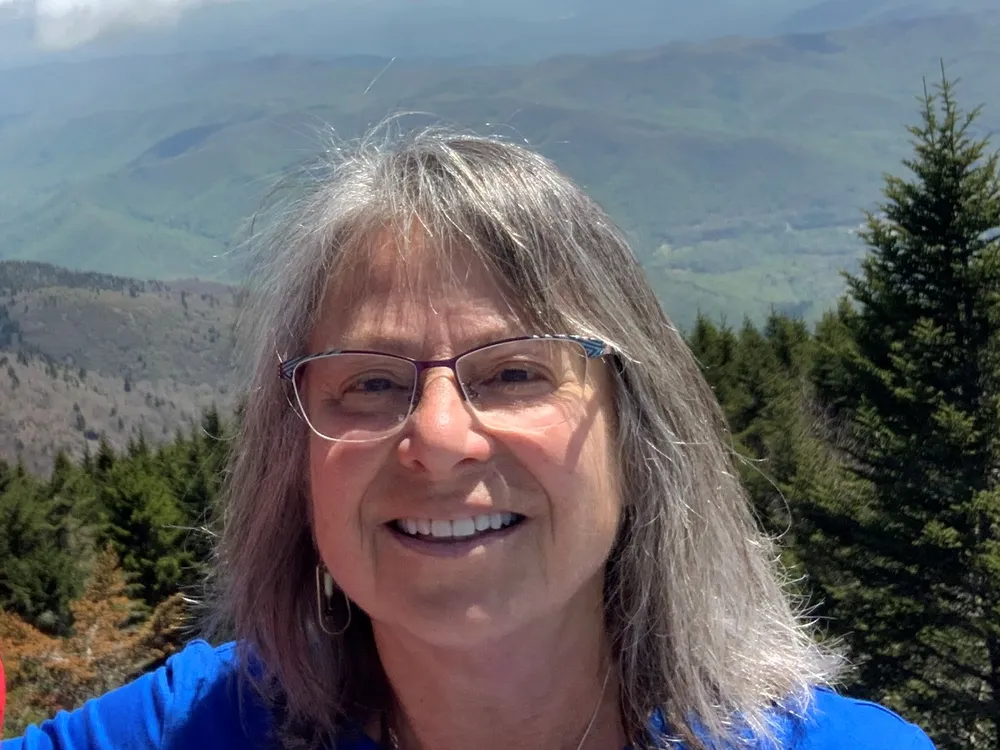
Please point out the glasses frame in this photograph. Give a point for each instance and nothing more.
(593, 348)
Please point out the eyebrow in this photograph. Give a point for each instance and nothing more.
(409, 347)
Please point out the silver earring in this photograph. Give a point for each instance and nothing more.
(325, 610)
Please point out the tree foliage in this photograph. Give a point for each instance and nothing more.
(97, 562)
(153, 506)
(871, 445)
(108, 646)
(919, 388)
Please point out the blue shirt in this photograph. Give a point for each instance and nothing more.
(193, 701)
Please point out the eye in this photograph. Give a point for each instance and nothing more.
(515, 374)
(374, 384)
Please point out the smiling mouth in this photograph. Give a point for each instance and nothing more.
(459, 529)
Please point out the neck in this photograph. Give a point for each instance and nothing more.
(549, 686)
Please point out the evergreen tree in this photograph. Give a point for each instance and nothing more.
(715, 349)
(761, 380)
(775, 424)
(6, 475)
(105, 458)
(916, 373)
(146, 527)
(87, 462)
(193, 467)
(73, 515)
(833, 348)
(38, 575)
(138, 447)
(107, 647)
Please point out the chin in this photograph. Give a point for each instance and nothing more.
(458, 625)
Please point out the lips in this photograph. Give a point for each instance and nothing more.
(433, 529)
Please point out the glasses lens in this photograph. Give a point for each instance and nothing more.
(355, 397)
(525, 385)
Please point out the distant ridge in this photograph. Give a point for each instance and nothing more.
(85, 354)
(29, 275)
(740, 167)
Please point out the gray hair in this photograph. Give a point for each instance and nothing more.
(698, 617)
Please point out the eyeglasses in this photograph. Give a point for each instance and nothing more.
(521, 384)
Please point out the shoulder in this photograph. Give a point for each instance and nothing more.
(200, 666)
(192, 700)
(834, 721)
(195, 699)
(206, 701)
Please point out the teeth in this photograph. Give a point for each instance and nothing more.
(462, 527)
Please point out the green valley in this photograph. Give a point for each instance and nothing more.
(739, 166)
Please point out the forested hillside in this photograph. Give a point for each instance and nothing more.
(96, 562)
(870, 444)
(88, 354)
(739, 166)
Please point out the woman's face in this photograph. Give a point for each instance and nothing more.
(444, 465)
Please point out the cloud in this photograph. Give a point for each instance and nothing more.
(60, 24)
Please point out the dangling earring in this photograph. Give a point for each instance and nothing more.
(324, 602)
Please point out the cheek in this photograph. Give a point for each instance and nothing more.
(577, 473)
(597, 480)
(339, 477)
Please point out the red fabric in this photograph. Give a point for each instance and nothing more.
(3, 697)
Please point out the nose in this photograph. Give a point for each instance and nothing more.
(441, 434)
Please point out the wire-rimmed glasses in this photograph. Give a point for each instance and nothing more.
(524, 384)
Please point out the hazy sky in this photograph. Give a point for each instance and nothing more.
(64, 23)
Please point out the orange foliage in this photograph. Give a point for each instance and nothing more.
(106, 650)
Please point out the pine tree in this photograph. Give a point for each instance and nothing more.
(146, 527)
(108, 647)
(87, 462)
(916, 373)
(775, 422)
(105, 459)
(73, 514)
(761, 380)
(193, 468)
(715, 349)
(38, 576)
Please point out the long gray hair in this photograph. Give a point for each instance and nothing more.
(698, 618)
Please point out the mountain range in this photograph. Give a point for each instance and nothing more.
(740, 166)
(514, 31)
(85, 355)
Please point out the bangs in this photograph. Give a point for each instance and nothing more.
(421, 249)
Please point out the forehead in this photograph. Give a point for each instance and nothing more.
(413, 291)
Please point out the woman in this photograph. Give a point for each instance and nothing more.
(481, 498)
